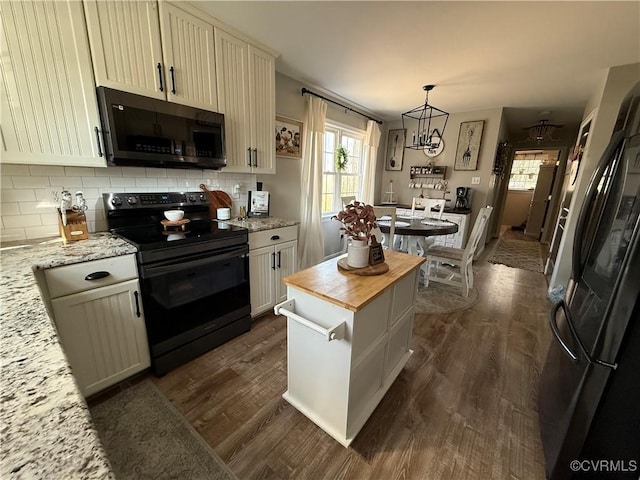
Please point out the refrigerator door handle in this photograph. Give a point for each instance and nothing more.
(556, 331)
(565, 347)
(592, 189)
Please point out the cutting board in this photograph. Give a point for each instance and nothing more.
(217, 199)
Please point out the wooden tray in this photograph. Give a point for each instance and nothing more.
(378, 269)
(178, 223)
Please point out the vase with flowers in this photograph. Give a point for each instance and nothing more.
(357, 221)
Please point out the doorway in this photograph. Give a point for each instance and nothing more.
(529, 192)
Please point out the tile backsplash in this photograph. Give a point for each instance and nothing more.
(28, 206)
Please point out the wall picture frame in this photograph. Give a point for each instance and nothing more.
(469, 140)
(394, 155)
(288, 137)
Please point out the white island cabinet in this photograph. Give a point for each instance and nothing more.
(347, 340)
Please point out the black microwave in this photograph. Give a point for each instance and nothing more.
(148, 132)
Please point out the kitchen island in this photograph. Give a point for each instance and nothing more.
(347, 340)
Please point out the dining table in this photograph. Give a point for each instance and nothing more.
(411, 232)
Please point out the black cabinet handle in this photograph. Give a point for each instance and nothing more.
(173, 79)
(248, 157)
(160, 76)
(255, 157)
(97, 275)
(275, 237)
(279, 264)
(273, 261)
(98, 141)
(135, 294)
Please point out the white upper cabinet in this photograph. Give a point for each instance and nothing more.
(159, 51)
(125, 46)
(49, 112)
(246, 90)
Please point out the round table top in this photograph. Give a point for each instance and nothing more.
(416, 227)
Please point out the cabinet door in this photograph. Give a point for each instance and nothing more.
(262, 267)
(48, 99)
(189, 58)
(286, 263)
(262, 114)
(233, 101)
(125, 46)
(103, 335)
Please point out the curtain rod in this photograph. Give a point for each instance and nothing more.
(305, 90)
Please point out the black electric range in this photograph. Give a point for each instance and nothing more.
(194, 276)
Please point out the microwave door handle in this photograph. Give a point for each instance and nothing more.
(161, 88)
(577, 260)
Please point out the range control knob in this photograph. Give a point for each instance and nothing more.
(202, 198)
(116, 201)
(132, 200)
(192, 198)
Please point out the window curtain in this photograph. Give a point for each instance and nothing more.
(311, 244)
(369, 164)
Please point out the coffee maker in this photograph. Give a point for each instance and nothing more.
(463, 197)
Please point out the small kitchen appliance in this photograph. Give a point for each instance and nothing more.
(463, 196)
(194, 274)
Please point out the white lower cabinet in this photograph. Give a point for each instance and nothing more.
(272, 256)
(101, 328)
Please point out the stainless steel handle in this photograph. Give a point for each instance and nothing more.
(97, 275)
(556, 330)
(98, 141)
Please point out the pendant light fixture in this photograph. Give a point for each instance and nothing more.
(542, 131)
(424, 124)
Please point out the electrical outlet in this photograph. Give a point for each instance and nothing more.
(475, 180)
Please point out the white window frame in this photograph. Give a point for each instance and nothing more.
(341, 129)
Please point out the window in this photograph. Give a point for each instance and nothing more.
(525, 168)
(336, 185)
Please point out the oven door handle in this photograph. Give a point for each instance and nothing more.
(177, 266)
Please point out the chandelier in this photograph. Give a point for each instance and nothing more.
(542, 131)
(422, 122)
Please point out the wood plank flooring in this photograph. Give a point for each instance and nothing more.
(464, 407)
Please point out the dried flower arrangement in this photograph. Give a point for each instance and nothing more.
(358, 220)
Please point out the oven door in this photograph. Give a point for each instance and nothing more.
(187, 298)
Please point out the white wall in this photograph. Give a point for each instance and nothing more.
(28, 209)
(606, 102)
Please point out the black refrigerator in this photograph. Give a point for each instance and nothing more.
(589, 392)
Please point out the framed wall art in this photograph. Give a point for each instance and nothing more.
(395, 149)
(468, 145)
(288, 137)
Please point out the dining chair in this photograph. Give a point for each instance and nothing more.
(428, 204)
(390, 212)
(454, 266)
(347, 200)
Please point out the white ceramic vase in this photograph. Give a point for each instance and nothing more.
(358, 253)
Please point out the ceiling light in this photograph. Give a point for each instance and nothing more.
(542, 131)
(422, 124)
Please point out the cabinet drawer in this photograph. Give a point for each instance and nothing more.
(264, 238)
(72, 278)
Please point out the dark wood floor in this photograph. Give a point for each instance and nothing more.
(463, 407)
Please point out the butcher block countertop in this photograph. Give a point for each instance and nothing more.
(351, 291)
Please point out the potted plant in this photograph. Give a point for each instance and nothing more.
(358, 220)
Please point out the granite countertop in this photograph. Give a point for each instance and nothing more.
(256, 224)
(46, 428)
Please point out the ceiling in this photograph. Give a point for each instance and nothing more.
(530, 57)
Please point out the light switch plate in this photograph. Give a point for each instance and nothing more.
(475, 180)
